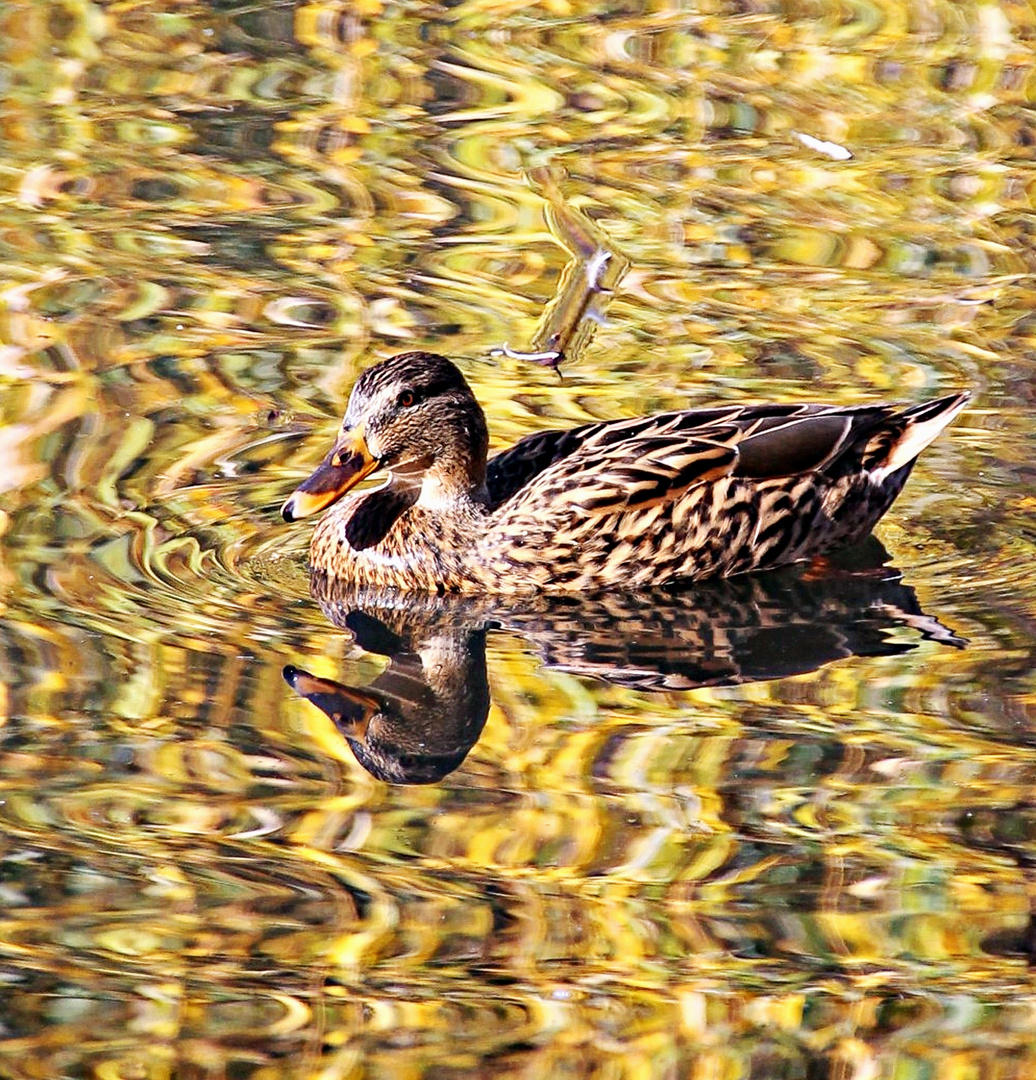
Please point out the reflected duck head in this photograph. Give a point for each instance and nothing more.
(402, 730)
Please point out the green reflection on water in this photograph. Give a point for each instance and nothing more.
(212, 217)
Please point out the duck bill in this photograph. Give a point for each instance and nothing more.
(344, 467)
(349, 709)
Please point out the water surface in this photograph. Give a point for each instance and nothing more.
(781, 827)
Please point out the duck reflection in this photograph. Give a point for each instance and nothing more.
(417, 721)
(419, 718)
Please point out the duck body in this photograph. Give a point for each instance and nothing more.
(684, 495)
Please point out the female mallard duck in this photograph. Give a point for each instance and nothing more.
(681, 495)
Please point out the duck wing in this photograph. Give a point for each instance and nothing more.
(510, 470)
(785, 441)
(693, 493)
(621, 460)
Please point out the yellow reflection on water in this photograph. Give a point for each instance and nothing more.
(212, 216)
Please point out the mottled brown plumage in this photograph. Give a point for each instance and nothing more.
(681, 495)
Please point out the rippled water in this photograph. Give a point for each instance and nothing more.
(777, 827)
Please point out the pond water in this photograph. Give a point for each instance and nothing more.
(777, 827)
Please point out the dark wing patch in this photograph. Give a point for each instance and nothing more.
(375, 514)
(793, 446)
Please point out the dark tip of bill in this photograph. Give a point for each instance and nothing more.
(286, 511)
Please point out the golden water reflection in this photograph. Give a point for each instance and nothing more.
(743, 833)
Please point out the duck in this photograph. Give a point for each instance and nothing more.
(684, 495)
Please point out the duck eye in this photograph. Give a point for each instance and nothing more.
(406, 399)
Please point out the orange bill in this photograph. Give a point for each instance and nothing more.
(349, 709)
(344, 467)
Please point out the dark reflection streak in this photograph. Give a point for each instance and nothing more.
(1007, 831)
(419, 719)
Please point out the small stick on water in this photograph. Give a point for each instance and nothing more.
(586, 285)
(551, 358)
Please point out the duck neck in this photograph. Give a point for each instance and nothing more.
(455, 479)
(454, 482)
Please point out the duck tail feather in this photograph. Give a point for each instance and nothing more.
(916, 428)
